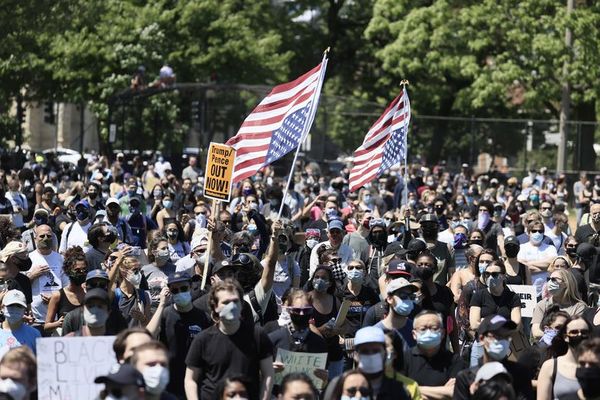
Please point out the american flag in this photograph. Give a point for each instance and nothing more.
(385, 143)
(278, 124)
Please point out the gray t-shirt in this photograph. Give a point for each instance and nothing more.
(157, 279)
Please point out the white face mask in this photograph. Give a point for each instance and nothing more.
(311, 243)
(16, 390)
(95, 317)
(135, 279)
(156, 378)
(370, 363)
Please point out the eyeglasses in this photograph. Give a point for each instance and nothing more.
(578, 332)
(364, 391)
(181, 289)
(492, 274)
(554, 279)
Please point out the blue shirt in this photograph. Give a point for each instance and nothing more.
(25, 335)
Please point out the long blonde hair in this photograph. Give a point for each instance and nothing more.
(571, 293)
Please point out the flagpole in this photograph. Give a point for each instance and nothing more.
(305, 129)
(405, 194)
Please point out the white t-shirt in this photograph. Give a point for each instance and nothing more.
(76, 236)
(282, 279)
(18, 200)
(48, 283)
(529, 252)
(446, 236)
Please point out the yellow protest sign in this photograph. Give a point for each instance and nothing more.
(219, 168)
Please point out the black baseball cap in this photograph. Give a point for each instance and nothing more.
(125, 375)
(416, 246)
(179, 277)
(392, 248)
(495, 323)
(511, 240)
(96, 273)
(400, 268)
(428, 218)
(96, 293)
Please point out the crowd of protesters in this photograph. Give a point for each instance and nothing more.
(406, 286)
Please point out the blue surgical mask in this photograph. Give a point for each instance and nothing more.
(320, 285)
(167, 204)
(182, 299)
(498, 349)
(549, 335)
(537, 237)
(482, 267)
(355, 275)
(429, 339)
(403, 307)
(367, 198)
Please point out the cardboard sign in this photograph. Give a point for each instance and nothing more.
(528, 296)
(219, 168)
(301, 362)
(67, 366)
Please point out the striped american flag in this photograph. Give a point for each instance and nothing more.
(278, 124)
(385, 144)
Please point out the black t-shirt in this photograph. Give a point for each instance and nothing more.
(491, 305)
(177, 330)
(521, 378)
(589, 314)
(308, 342)
(583, 233)
(441, 301)
(217, 355)
(24, 285)
(359, 305)
(435, 371)
(492, 231)
(579, 276)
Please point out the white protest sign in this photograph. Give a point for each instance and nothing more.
(67, 366)
(301, 362)
(528, 296)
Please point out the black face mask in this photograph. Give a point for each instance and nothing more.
(478, 242)
(574, 341)
(111, 237)
(299, 320)
(571, 251)
(93, 195)
(588, 380)
(22, 261)
(77, 279)
(379, 238)
(430, 234)
(425, 273)
(511, 251)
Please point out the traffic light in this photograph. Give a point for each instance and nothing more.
(49, 112)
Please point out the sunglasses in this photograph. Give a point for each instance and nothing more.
(537, 231)
(492, 274)
(182, 289)
(241, 258)
(364, 391)
(300, 310)
(554, 279)
(351, 267)
(43, 236)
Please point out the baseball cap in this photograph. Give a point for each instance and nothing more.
(392, 248)
(512, 240)
(96, 273)
(428, 218)
(494, 323)
(399, 267)
(179, 277)
(489, 370)
(399, 283)
(96, 293)
(83, 203)
(377, 222)
(125, 375)
(11, 249)
(14, 297)
(335, 224)
(312, 233)
(416, 246)
(112, 200)
(48, 189)
(199, 238)
(135, 199)
(369, 334)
